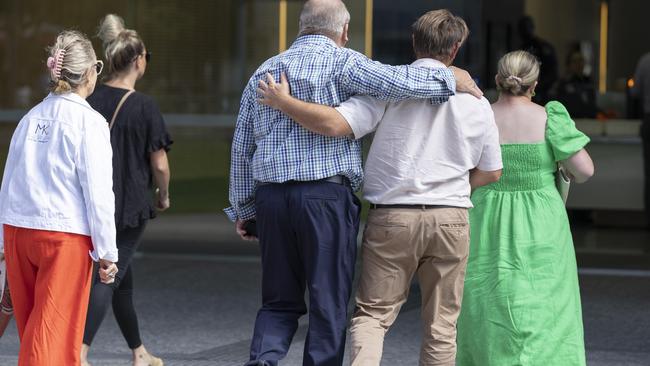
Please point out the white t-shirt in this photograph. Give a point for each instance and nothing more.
(421, 153)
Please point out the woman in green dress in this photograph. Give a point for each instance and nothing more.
(522, 302)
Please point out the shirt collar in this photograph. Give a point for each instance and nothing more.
(313, 39)
(428, 62)
(73, 97)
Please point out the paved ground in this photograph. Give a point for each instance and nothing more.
(198, 307)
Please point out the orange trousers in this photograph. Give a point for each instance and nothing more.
(49, 276)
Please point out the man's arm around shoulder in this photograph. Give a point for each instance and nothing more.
(362, 75)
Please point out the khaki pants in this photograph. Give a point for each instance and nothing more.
(398, 243)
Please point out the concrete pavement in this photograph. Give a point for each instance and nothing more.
(197, 292)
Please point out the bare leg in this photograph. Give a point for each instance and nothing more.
(84, 354)
(143, 358)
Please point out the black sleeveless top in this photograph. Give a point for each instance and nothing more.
(139, 130)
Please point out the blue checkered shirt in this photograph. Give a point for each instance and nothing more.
(269, 147)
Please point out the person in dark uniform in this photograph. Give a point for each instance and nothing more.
(641, 90)
(576, 90)
(545, 53)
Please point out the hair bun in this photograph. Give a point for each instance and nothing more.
(110, 28)
(517, 72)
(61, 87)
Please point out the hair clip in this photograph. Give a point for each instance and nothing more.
(515, 78)
(55, 63)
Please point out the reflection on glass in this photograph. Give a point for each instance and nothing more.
(205, 51)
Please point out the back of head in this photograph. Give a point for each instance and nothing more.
(326, 17)
(526, 27)
(436, 34)
(517, 73)
(69, 60)
(575, 62)
(121, 46)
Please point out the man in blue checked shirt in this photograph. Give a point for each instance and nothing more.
(299, 186)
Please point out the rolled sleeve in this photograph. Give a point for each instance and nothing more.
(95, 172)
(363, 114)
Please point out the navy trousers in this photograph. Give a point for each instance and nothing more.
(308, 239)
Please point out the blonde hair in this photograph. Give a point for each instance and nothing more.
(517, 72)
(121, 46)
(78, 57)
(436, 33)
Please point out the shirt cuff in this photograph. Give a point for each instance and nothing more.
(113, 257)
(243, 212)
(490, 167)
(450, 82)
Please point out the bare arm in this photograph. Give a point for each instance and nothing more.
(317, 118)
(160, 170)
(479, 178)
(580, 166)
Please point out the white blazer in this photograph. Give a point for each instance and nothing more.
(59, 174)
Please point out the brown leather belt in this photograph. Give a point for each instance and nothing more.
(419, 207)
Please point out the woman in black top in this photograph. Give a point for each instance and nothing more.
(140, 143)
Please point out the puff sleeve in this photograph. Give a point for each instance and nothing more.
(561, 132)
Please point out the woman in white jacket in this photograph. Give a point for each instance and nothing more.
(56, 207)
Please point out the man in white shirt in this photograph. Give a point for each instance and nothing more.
(421, 168)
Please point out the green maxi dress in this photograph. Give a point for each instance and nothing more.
(522, 302)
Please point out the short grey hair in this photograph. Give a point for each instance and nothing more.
(326, 17)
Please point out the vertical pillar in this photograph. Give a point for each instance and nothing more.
(368, 31)
(282, 33)
(604, 32)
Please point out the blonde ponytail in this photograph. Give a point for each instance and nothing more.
(110, 28)
(121, 46)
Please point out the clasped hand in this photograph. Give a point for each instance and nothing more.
(107, 271)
